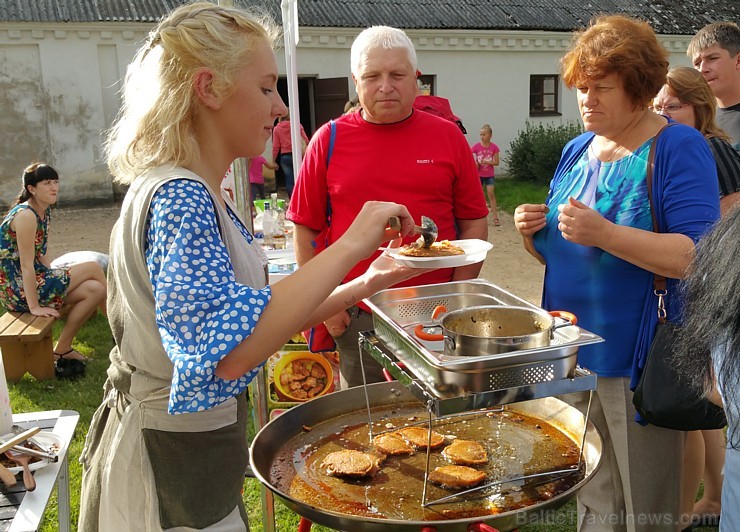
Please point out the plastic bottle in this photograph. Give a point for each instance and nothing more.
(268, 224)
(278, 237)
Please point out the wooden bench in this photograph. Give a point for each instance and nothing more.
(26, 344)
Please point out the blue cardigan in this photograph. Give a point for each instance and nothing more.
(610, 296)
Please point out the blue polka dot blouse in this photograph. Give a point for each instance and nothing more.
(202, 311)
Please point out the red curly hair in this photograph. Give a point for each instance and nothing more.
(616, 44)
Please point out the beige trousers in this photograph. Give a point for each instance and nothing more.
(637, 487)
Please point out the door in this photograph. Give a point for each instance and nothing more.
(330, 95)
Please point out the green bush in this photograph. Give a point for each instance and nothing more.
(535, 152)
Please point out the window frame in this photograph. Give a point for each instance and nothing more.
(429, 80)
(539, 96)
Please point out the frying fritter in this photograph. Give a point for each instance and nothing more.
(456, 476)
(466, 452)
(443, 248)
(417, 436)
(392, 444)
(350, 463)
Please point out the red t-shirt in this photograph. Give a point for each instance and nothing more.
(422, 162)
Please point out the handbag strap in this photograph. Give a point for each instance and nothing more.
(659, 282)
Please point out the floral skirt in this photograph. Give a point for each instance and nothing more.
(52, 286)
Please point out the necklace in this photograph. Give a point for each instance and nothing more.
(614, 152)
(626, 136)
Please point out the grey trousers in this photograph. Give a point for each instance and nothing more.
(349, 352)
(638, 485)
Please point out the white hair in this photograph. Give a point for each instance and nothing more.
(380, 37)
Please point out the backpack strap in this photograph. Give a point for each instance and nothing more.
(330, 151)
(325, 232)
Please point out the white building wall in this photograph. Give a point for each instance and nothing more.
(484, 74)
(69, 91)
(59, 88)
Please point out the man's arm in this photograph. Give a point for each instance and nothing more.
(477, 228)
(729, 202)
(303, 238)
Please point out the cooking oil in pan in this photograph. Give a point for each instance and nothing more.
(516, 445)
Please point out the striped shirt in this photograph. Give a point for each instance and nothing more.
(728, 166)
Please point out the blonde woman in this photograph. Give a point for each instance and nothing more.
(189, 307)
(688, 99)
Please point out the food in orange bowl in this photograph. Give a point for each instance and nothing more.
(301, 376)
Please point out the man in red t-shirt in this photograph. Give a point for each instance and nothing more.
(386, 152)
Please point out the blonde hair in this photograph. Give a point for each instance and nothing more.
(156, 123)
(486, 127)
(616, 44)
(690, 87)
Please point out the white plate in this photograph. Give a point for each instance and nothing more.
(475, 251)
(45, 438)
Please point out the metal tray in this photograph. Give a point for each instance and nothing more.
(397, 311)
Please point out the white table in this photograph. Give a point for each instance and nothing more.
(21, 510)
(281, 263)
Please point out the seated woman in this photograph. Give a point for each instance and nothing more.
(27, 282)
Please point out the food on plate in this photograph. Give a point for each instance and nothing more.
(465, 452)
(456, 476)
(418, 437)
(443, 248)
(7, 462)
(392, 444)
(303, 378)
(352, 464)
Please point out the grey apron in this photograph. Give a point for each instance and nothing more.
(145, 469)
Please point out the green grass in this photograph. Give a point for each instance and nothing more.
(510, 193)
(85, 394)
(82, 395)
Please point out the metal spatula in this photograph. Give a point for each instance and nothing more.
(427, 230)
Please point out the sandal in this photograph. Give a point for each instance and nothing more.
(80, 357)
(68, 368)
(496, 222)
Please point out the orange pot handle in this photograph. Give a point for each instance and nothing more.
(439, 309)
(423, 335)
(565, 315)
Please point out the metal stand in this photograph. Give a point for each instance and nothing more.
(442, 404)
(445, 404)
(261, 417)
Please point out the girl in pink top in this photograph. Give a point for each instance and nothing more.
(256, 178)
(486, 158)
(282, 150)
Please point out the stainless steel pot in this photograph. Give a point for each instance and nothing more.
(494, 329)
(284, 440)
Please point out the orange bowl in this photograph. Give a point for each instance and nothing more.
(298, 367)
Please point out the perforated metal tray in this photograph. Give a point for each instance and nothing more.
(397, 311)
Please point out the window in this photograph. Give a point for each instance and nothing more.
(426, 84)
(543, 95)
